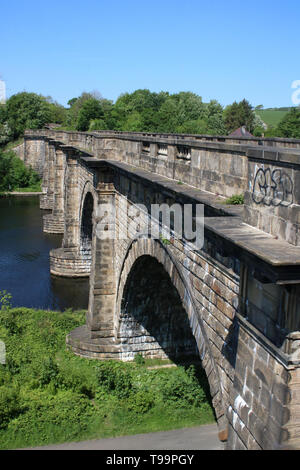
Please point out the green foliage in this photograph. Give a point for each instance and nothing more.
(114, 378)
(289, 126)
(238, 115)
(258, 131)
(78, 118)
(272, 116)
(165, 241)
(47, 394)
(48, 372)
(5, 300)
(235, 199)
(140, 111)
(91, 109)
(14, 174)
(26, 111)
(272, 132)
(139, 359)
(141, 402)
(144, 111)
(97, 125)
(10, 405)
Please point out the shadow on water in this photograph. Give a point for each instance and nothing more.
(24, 260)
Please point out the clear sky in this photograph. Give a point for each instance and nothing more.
(219, 49)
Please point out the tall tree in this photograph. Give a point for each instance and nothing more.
(26, 111)
(91, 109)
(289, 126)
(239, 114)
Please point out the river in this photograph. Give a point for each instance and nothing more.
(24, 260)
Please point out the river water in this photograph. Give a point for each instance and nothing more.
(24, 260)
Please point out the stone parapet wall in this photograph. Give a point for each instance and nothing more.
(265, 394)
(213, 164)
(85, 137)
(272, 198)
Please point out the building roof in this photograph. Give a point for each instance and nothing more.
(240, 132)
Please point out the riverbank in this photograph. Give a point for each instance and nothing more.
(23, 193)
(48, 395)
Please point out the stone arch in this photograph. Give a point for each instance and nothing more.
(155, 249)
(86, 213)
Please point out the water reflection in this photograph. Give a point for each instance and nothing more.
(24, 259)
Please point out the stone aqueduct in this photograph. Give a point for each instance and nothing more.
(236, 301)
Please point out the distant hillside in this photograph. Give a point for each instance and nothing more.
(272, 116)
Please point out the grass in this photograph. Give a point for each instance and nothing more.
(49, 395)
(35, 188)
(271, 117)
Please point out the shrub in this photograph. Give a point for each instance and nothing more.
(140, 402)
(235, 199)
(183, 389)
(47, 394)
(49, 372)
(139, 359)
(114, 378)
(9, 405)
(76, 376)
(14, 174)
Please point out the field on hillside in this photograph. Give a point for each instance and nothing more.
(272, 117)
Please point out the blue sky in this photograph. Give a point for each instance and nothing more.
(224, 50)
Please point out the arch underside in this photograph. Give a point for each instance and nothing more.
(86, 227)
(156, 314)
(152, 319)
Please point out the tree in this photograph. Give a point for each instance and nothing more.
(14, 174)
(75, 106)
(26, 111)
(91, 109)
(215, 125)
(72, 101)
(289, 126)
(97, 125)
(167, 116)
(239, 114)
(58, 114)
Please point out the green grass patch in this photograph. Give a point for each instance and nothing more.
(49, 395)
(271, 117)
(35, 188)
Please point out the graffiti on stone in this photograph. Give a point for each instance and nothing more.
(272, 188)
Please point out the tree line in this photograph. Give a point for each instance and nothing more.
(140, 111)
